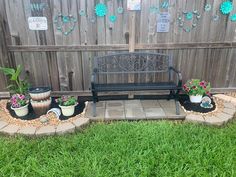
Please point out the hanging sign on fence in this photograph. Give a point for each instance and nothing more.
(163, 23)
(134, 4)
(38, 23)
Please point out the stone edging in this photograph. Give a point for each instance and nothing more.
(62, 128)
(220, 118)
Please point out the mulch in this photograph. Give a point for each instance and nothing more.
(31, 116)
(185, 102)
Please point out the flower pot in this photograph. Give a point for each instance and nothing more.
(195, 99)
(39, 93)
(67, 110)
(41, 107)
(21, 111)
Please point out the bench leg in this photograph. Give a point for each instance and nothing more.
(95, 99)
(94, 109)
(177, 103)
(170, 95)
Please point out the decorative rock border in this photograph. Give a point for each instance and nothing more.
(225, 113)
(218, 118)
(60, 129)
(9, 127)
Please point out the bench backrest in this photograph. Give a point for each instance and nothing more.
(135, 62)
(128, 65)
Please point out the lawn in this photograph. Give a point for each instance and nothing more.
(125, 149)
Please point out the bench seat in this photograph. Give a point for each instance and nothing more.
(136, 86)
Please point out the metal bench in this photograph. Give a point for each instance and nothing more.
(135, 72)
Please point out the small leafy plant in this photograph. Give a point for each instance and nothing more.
(66, 101)
(197, 87)
(18, 100)
(17, 85)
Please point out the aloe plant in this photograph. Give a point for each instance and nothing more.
(16, 85)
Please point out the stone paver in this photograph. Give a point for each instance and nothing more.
(115, 114)
(100, 114)
(28, 130)
(229, 105)
(133, 104)
(167, 103)
(135, 113)
(229, 111)
(224, 117)
(195, 118)
(223, 97)
(81, 122)
(154, 113)
(213, 120)
(3, 124)
(171, 113)
(150, 104)
(65, 128)
(10, 129)
(115, 104)
(46, 130)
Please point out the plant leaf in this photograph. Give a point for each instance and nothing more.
(15, 76)
(7, 71)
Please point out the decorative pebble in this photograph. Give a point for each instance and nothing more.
(44, 119)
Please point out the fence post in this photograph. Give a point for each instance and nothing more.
(132, 15)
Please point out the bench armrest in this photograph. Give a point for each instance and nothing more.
(93, 79)
(179, 76)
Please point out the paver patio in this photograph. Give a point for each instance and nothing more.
(135, 110)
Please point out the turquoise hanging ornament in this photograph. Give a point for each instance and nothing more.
(65, 23)
(101, 10)
(112, 18)
(165, 5)
(233, 18)
(120, 10)
(226, 7)
(207, 7)
(82, 12)
(189, 16)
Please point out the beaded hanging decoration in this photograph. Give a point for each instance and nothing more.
(112, 18)
(65, 23)
(120, 10)
(100, 10)
(82, 12)
(233, 18)
(207, 7)
(165, 4)
(189, 16)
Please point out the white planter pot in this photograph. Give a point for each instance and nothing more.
(195, 99)
(67, 110)
(22, 111)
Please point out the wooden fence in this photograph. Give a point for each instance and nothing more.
(64, 62)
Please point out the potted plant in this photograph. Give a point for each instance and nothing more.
(17, 85)
(19, 103)
(67, 104)
(196, 88)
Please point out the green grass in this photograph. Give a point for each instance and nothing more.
(125, 149)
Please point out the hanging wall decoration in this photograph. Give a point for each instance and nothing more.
(65, 23)
(134, 4)
(112, 18)
(233, 18)
(207, 7)
(100, 10)
(82, 12)
(226, 7)
(165, 4)
(154, 9)
(120, 10)
(188, 20)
